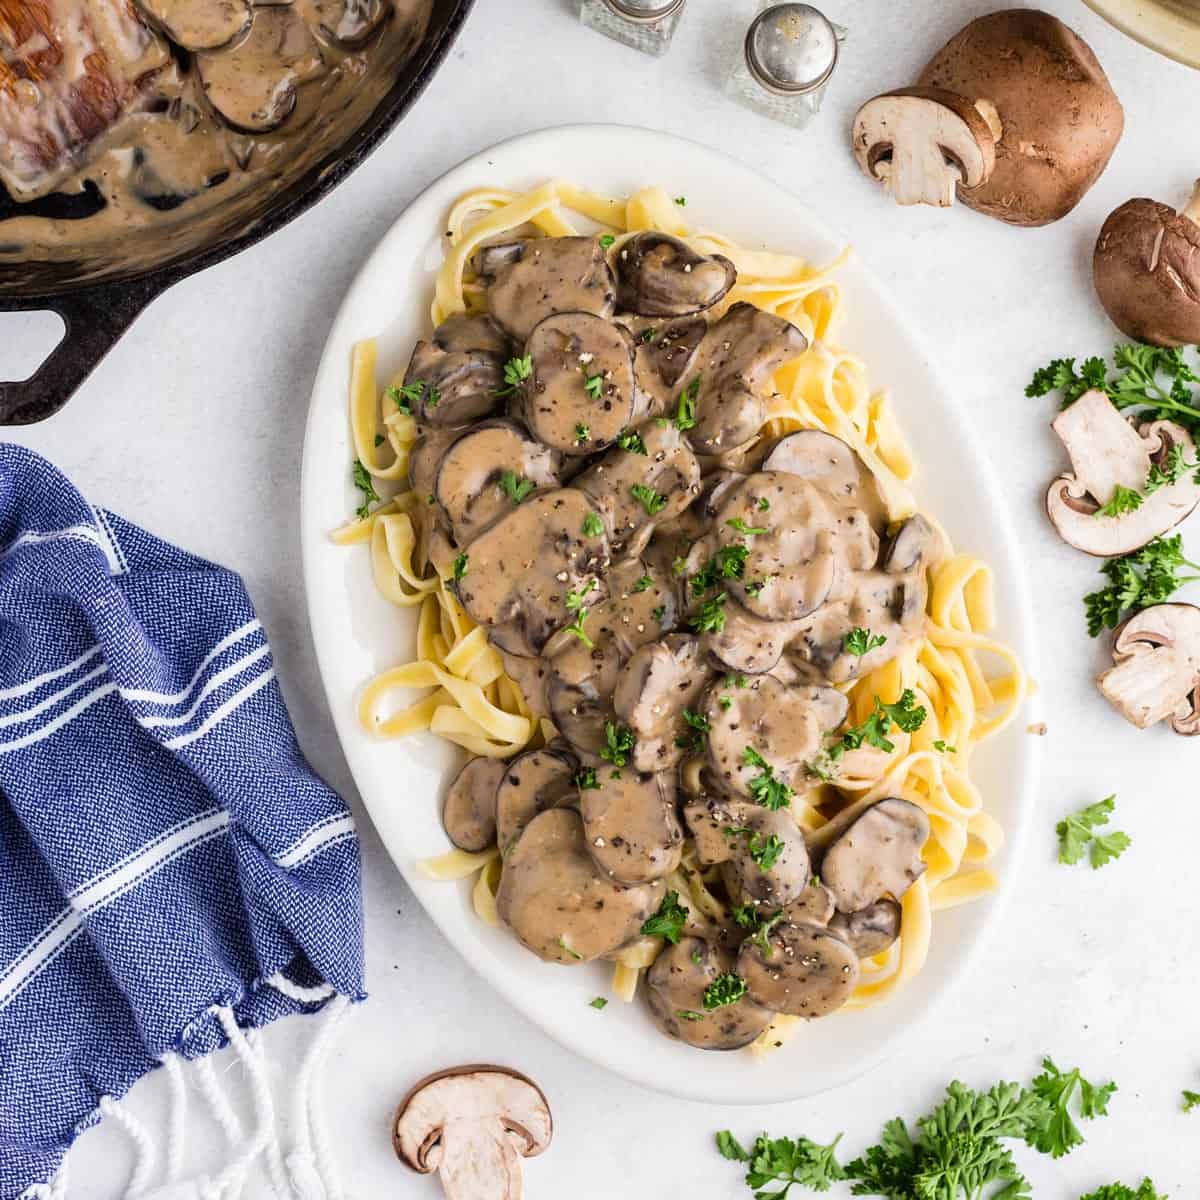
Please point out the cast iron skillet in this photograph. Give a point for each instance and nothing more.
(97, 314)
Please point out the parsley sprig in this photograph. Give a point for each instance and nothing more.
(516, 371)
(653, 502)
(784, 1160)
(765, 788)
(728, 988)
(685, 412)
(668, 922)
(575, 604)
(633, 443)
(710, 618)
(515, 487)
(408, 394)
(1136, 581)
(861, 641)
(1077, 836)
(748, 916)
(905, 714)
(366, 485)
(619, 740)
(765, 851)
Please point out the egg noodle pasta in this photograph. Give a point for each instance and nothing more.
(970, 684)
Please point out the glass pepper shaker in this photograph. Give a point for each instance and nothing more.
(790, 53)
(646, 25)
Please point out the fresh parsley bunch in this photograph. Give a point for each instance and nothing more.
(1138, 580)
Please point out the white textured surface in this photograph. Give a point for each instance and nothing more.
(192, 426)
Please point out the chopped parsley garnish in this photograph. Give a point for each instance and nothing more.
(562, 945)
(606, 240)
(678, 567)
(409, 394)
(711, 616)
(737, 681)
(1138, 580)
(689, 1014)
(653, 502)
(754, 586)
(431, 499)
(643, 584)
(685, 413)
(364, 483)
(906, 714)
(668, 922)
(726, 703)
(699, 726)
(576, 605)
(585, 779)
(649, 334)
(598, 1003)
(514, 486)
(943, 747)
(763, 504)
(461, 563)
(619, 741)
(1123, 500)
(592, 525)
(764, 851)
(379, 439)
(516, 371)
(744, 529)
(593, 385)
(765, 789)
(659, 612)
(1190, 1100)
(681, 201)
(727, 563)
(1077, 835)
(748, 916)
(632, 442)
(582, 433)
(861, 641)
(727, 988)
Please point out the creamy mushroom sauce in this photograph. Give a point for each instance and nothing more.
(132, 131)
(673, 590)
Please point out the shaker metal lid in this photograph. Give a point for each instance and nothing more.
(791, 48)
(644, 10)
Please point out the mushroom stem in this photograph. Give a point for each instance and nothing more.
(1192, 211)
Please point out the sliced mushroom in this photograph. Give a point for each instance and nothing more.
(1147, 271)
(522, 568)
(668, 348)
(746, 643)
(871, 930)
(768, 863)
(470, 475)
(831, 465)
(877, 853)
(707, 818)
(631, 825)
(636, 492)
(814, 906)
(661, 276)
(529, 281)
(805, 971)
(656, 685)
(462, 370)
(532, 783)
(581, 394)
(530, 674)
(555, 900)
(912, 546)
(1156, 671)
(1106, 453)
(922, 143)
(252, 85)
(733, 367)
(469, 813)
(473, 1125)
(350, 23)
(677, 983)
(781, 725)
(199, 24)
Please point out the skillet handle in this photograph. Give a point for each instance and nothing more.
(95, 319)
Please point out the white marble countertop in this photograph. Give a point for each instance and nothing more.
(192, 426)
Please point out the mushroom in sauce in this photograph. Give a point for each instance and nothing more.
(877, 853)
(469, 811)
(661, 276)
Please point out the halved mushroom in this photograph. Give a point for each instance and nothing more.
(1156, 672)
(876, 853)
(677, 983)
(746, 643)
(922, 143)
(469, 812)
(199, 24)
(912, 546)
(661, 276)
(831, 465)
(531, 280)
(635, 492)
(469, 477)
(473, 1125)
(734, 365)
(707, 817)
(252, 85)
(520, 571)
(805, 971)
(1106, 453)
(558, 904)
(814, 906)
(350, 23)
(1147, 271)
(581, 394)
(871, 930)
(768, 722)
(631, 825)
(655, 686)
(768, 862)
(667, 348)
(462, 370)
(534, 782)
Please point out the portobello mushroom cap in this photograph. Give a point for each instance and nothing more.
(1106, 453)
(558, 904)
(469, 811)
(923, 143)
(1052, 111)
(676, 985)
(877, 853)
(1146, 268)
(534, 279)
(806, 970)
(1156, 671)
(632, 826)
(662, 276)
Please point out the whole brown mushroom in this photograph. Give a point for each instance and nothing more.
(1146, 268)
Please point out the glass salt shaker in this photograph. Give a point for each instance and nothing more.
(790, 53)
(646, 25)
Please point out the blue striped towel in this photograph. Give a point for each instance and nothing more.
(165, 850)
